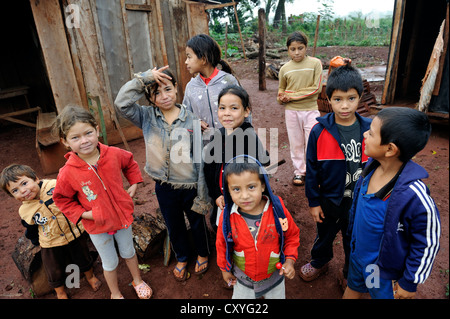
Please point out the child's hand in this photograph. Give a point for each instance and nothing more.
(400, 293)
(159, 76)
(288, 270)
(317, 214)
(132, 190)
(229, 278)
(203, 125)
(283, 98)
(87, 215)
(220, 202)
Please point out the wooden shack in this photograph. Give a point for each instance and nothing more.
(57, 52)
(415, 31)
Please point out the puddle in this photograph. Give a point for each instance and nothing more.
(371, 74)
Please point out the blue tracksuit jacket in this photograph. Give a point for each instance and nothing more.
(412, 227)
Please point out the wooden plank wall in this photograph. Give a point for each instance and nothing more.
(394, 48)
(55, 49)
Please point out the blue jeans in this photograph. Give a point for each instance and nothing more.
(173, 204)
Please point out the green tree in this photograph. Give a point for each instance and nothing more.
(326, 11)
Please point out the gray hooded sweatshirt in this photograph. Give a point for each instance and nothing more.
(202, 99)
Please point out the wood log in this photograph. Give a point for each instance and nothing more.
(367, 100)
(148, 234)
(28, 260)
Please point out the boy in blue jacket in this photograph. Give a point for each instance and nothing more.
(334, 160)
(394, 222)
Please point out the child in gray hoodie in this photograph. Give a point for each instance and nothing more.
(200, 96)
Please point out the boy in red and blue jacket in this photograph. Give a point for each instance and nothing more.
(256, 232)
(334, 160)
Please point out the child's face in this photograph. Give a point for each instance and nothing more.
(82, 139)
(24, 189)
(344, 105)
(246, 191)
(193, 63)
(297, 51)
(165, 96)
(372, 140)
(231, 112)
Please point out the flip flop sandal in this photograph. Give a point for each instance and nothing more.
(298, 180)
(186, 274)
(143, 290)
(309, 273)
(204, 269)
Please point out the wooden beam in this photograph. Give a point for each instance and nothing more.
(316, 35)
(138, 7)
(58, 61)
(239, 28)
(262, 48)
(437, 85)
(394, 48)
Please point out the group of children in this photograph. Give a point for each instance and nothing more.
(206, 159)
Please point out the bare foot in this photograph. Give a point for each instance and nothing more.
(95, 283)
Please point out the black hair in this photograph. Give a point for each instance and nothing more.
(297, 36)
(239, 91)
(239, 166)
(206, 47)
(151, 88)
(407, 128)
(343, 79)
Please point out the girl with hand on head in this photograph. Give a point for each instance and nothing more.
(173, 146)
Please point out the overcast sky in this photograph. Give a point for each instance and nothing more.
(342, 7)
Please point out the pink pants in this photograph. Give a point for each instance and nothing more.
(298, 125)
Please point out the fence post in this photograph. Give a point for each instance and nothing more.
(262, 48)
(316, 35)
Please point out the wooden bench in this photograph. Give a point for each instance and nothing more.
(15, 92)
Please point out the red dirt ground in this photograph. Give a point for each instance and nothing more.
(17, 144)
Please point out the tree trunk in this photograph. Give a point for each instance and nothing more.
(148, 234)
(280, 15)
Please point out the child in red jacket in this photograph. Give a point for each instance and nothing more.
(256, 233)
(89, 187)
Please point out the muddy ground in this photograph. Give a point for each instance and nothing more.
(17, 144)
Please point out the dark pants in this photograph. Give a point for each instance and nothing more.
(56, 259)
(173, 202)
(336, 219)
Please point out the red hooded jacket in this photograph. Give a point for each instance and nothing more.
(80, 188)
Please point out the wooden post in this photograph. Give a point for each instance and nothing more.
(239, 28)
(262, 48)
(316, 35)
(226, 39)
